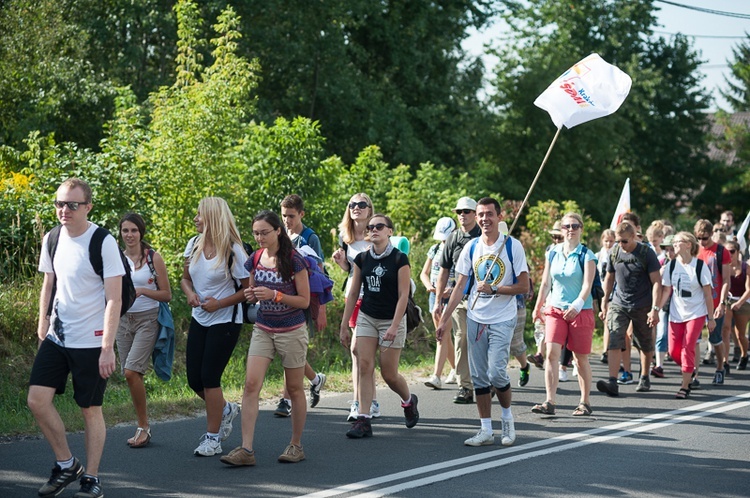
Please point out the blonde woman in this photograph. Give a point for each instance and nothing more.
(353, 239)
(214, 264)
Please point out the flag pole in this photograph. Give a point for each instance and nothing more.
(525, 200)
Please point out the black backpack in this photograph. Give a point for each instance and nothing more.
(95, 258)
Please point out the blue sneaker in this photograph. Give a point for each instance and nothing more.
(625, 378)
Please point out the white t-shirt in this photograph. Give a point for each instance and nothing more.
(682, 307)
(142, 277)
(209, 281)
(77, 320)
(492, 308)
(352, 250)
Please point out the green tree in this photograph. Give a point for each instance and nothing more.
(738, 93)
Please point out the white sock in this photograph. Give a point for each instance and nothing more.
(227, 409)
(507, 413)
(213, 435)
(316, 380)
(66, 464)
(288, 401)
(486, 424)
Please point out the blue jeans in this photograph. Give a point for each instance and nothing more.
(489, 351)
(662, 332)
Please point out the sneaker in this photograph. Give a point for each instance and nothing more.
(451, 379)
(603, 358)
(524, 376)
(563, 375)
(208, 447)
(644, 385)
(718, 378)
(481, 438)
(284, 409)
(239, 457)
(61, 478)
(625, 378)
(90, 488)
(226, 420)
(743, 363)
(374, 409)
(537, 360)
(657, 372)
(509, 432)
(360, 428)
(464, 396)
(411, 414)
(694, 382)
(608, 387)
(315, 390)
(434, 382)
(353, 411)
(575, 371)
(727, 368)
(292, 454)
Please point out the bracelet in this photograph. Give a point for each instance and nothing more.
(277, 296)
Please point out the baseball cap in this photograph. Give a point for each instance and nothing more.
(443, 228)
(667, 242)
(556, 229)
(466, 203)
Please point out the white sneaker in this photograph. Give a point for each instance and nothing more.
(353, 411)
(575, 371)
(482, 438)
(509, 432)
(434, 382)
(226, 421)
(451, 379)
(375, 409)
(563, 375)
(208, 447)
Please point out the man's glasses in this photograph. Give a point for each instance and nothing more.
(463, 211)
(718, 230)
(703, 238)
(622, 242)
(557, 237)
(358, 204)
(72, 205)
(377, 226)
(732, 251)
(572, 226)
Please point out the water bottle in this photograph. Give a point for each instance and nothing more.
(538, 332)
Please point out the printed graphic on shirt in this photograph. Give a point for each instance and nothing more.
(489, 264)
(374, 280)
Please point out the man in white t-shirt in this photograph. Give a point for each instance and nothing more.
(495, 265)
(77, 338)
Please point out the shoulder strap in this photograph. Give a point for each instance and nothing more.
(305, 236)
(719, 256)
(509, 250)
(470, 282)
(95, 250)
(699, 270)
(151, 268)
(52, 240)
(582, 256)
(672, 264)
(256, 256)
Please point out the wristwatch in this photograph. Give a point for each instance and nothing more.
(656, 308)
(493, 289)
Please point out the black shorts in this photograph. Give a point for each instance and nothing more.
(53, 363)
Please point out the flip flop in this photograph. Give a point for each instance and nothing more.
(582, 410)
(133, 442)
(545, 408)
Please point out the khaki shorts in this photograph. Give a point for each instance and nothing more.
(744, 309)
(291, 346)
(135, 339)
(368, 326)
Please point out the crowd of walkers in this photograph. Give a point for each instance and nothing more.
(657, 293)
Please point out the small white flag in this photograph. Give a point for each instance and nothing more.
(591, 89)
(623, 206)
(741, 234)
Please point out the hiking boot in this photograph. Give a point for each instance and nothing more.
(315, 390)
(360, 428)
(434, 382)
(608, 387)
(625, 378)
(537, 360)
(464, 396)
(353, 411)
(90, 488)
(375, 409)
(451, 379)
(718, 378)
(208, 447)
(644, 385)
(481, 438)
(523, 377)
(743, 363)
(61, 478)
(411, 414)
(509, 432)
(292, 454)
(226, 421)
(658, 372)
(284, 409)
(239, 457)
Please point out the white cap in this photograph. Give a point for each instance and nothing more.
(466, 203)
(443, 228)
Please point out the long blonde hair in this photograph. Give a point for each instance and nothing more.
(346, 227)
(219, 228)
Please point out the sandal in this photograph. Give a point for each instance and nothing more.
(134, 442)
(582, 410)
(546, 408)
(682, 393)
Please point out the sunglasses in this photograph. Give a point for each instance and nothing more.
(359, 204)
(703, 238)
(463, 211)
(557, 237)
(377, 226)
(732, 251)
(572, 226)
(72, 205)
(718, 230)
(622, 242)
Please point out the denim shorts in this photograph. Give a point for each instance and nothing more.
(489, 351)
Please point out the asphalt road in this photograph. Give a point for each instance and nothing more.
(640, 444)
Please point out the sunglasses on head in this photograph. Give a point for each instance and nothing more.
(463, 211)
(572, 226)
(358, 204)
(377, 226)
(72, 205)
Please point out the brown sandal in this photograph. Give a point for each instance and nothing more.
(582, 410)
(546, 408)
(134, 442)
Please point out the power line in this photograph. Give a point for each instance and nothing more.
(738, 15)
(702, 36)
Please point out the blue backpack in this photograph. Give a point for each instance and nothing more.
(597, 289)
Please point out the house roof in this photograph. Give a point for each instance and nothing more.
(718, 128)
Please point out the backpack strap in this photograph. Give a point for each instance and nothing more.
(304, 236)
(95, 250)
(509, 251)
(719, 256)
(151, 268)
(470, 283)
(52, 240)
(672, 264)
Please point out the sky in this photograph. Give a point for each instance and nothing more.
(672, 19)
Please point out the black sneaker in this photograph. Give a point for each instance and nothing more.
(608, 387)
(360, 428)
(90, 488)
(603, 358)
(727, 368)
(411, 414)
(315, 391)
(61, 478)
(464, 396)
(743, 363)
(718, 378)
(284, 409)
(644, 385)
(694, 382)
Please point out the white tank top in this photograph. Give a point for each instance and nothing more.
(142, 277)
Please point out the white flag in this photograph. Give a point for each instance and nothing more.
(623, 206)
(591, 89)
(741, 234)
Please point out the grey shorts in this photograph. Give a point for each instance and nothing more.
(618, 319)
(135, 339)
